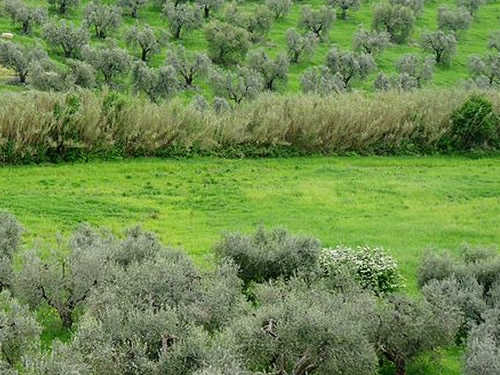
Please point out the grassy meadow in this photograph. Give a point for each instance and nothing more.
(406, 204)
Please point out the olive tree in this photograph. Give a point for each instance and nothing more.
(349, 66)
(132, 7)
(47, 76)
(156, 83)
(318, 21)
(370, 42)
(274, 71)
(345, 6)
(62, 359)
(10, 238)
(103, 18)
(19, 332)
(64, 280)
(187, 66)
(486, 67)
(471, 5)
(299, 45)
(443, 45)
(20, 58)
(26, 16)
(397, 20)
(420, 70)
(227, 44)
(182, 17)
(320, 80)
(416, 5)
(110, 61)
(284, 335)
(82, 74)
(456, 20)
(238, 85)
(406, 328)
(146, 39)
(63, 6)
(494, 40)
(66, 37)
(279, 8)
(256, 23)
(209, 6)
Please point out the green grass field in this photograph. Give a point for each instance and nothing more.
(474, 41)
(406, 205)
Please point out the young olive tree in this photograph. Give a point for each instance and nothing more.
(20, 58)
(274, 71)
(257, 22)
(345, 6)
(227, 44)
(64, 280)
(10, 238)
(132, 7)
(19, 333)
(209, 6)
(299, 45)
(103, 18)
(317, 21)
(471, 5)
(24, 15)
(370, 42)
(146, 39)
(441, 44)
(187, 66)
(320, 80)
(416, 5)
(66, 37)
(349, 66)
(279, 8)
(156, 83)
(63, 6)
(182, 17)
(241, 84)
(110, 61)
(420, 70)
(486, 68)
(406, 328)
(82, 74)
(397, 20)
(456, 20)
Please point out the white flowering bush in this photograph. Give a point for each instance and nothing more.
(374, 267)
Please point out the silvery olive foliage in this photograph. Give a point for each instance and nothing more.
(110, 60)
(63, 6)
(241, 84)
(102, 18)
(471, 5)
(132, 7)
(416, 5)
(257, 23)
(183, 17)
(210, 6)
(274, 71)
(279, 8)
(494, 40)
(187, 65)
(456, 20)
(397, 20)
(344, 6)
(19, 333)
(227, 43)
(299, 46)
(370, 42)
(10, 238)
(485, 69)
(349, 66)
(321, 80)
(66, 37)
(318, 21)
(443, 45)
(157, 83)
(24, 15)
(148, 41)
(414, 72)
(20, 58)
(374, 268)
(267, 255)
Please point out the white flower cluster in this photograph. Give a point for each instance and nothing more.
(374, 267)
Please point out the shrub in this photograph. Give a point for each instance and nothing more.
(267, 255)
(10, 237)
(374, 268)
(474, 125)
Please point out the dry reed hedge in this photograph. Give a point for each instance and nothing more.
(40, 126)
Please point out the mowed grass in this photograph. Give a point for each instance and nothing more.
(406, 205)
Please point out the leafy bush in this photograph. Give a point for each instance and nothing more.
(474, 125)
(375, 269)
(267, 255)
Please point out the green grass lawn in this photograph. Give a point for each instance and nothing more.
(406, 205)
(473, 41)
